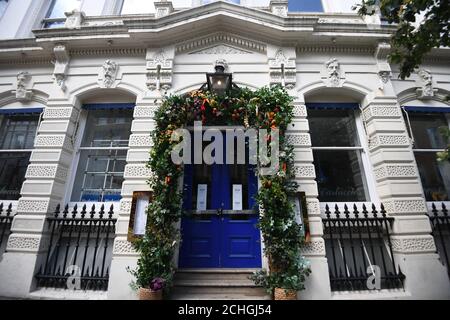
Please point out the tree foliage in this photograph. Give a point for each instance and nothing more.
(410, 43)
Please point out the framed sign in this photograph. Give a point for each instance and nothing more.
(138, 215)
(237, 196)
(301, 214)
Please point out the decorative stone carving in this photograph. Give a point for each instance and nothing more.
(110, 69)
(279, 7)
(144, 112)
(334, 76)
(32, 206)
(123, 247)
(57, 112)
(314, 248)
(221, 49)
(416, 244)
(159, 71)
(426, 82)
(74, 19)
(140, 171)
(282, 70)
(302, 140)
(125, 206)
(304, 171)
(140, 140)
(61, 64)
(163, 8)
(299, 111)
(20, 243)
(394, 207)
(23, 80)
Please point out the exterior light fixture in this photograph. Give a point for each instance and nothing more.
(219, 81)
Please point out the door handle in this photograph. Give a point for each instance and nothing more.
(219, 212)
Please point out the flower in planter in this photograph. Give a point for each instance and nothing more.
(157, 284)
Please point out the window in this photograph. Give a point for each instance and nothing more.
(3, 6)
(103, 155)
(337, 155)
(305, 5)
(17, 132)
(137, 6)
(435, 176)
(57, 10)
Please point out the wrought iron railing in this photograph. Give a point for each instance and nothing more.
(440, 223)
(79, 249)
(6, 218)
(359, 249)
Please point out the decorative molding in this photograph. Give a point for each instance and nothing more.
(299, 140)
(316, 247)
(371, 112)
(32, 206)
(335, 49)
(389, 171)
(16, 242)
(221, 38)
(125, 206)
(221, 49)
(333, 75)
(410, 244)
(283, 70)
(108, 52)
(140, 171)
(159, 71)
(23, 82)
(299, 111)
(123, 247)
(389, 141)
(47, 171)
(109, 73)
(394, 207)
(304, 171)
(144, 111)
(52, 141)
(58, 112)
(140, 140)
(61, 65)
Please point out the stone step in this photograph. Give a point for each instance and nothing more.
(205, 274)
(216, 284)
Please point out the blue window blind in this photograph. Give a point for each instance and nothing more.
(21, 110)
(305, 6)
(333, 105)
(425, 109)
(108, 106)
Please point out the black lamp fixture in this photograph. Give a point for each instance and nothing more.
(219, 81)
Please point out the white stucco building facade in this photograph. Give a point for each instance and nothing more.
(60, 75)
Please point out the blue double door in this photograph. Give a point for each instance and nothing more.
(220, 237)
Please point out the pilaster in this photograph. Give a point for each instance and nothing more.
(318, 283)
(135, 179)
(400, 190)
(42, 190)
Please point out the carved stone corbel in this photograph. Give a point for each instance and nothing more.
(384, 74)
(109, 70)
(425, 84)
(159, 70)
(333, 75)
(61, 64)
(283, 70)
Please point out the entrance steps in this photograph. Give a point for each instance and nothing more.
(216, 284)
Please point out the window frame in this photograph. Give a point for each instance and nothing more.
(422, 150)
(25, 150)
(83, 119)
(366, 166)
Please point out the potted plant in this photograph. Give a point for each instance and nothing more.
(154, 291)
(284, 283)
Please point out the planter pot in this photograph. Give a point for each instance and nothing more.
(148, 294)
(284, 294)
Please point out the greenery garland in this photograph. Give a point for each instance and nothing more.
(265, 108)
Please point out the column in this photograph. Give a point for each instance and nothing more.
(318, 283)
(399, 188)
(42, 190)
(135, 179)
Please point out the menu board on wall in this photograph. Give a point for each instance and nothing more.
(237, 196)
(202, 194)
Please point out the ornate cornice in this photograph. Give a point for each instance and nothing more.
(231, 39)
(107, 51)
(335, 49)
